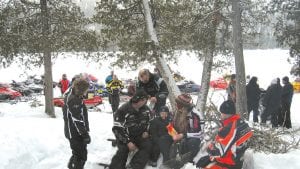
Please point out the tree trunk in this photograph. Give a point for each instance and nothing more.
(48, 88)
(161, 63)
(207, 66)
(241, 99)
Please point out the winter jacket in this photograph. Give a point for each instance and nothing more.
(272, 98)
(158, 127)
(194, 125)
(114, 86)
(287, 93)
(230, 143)
(75, 116)
(64, 85)
(156, 87)
(130, 124)
(253, 94)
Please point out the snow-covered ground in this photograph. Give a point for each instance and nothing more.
(31, 140)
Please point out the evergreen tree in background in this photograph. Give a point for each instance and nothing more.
(288, 28)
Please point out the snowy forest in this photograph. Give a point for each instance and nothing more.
(206, 38)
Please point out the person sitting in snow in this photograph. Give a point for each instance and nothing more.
(160, 137)
(187, 125)
(76, 123)
(131, 124)
(230, 144)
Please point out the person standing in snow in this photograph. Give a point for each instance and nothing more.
(284, 118)
(271, 102)
(131, 124)
(64, 84)
(155, 86)
(114, 88)
(231, 89)
(76, 124)
(253, 94)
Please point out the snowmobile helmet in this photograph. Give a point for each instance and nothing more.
(228, 107)
(164, 109)
(139, 95)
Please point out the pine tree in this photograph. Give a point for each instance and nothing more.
(287, 28)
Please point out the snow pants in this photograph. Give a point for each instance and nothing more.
(79, 153)
(114, 100)
(161, 145)
(140, 158)
(284, 117)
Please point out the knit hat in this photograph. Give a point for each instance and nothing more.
(184, 100)
(227, 107)
(139, 95)
(164, 109)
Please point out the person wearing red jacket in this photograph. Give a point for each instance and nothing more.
(64, 84)
(230, 144)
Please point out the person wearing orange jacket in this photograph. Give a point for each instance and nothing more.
(230, 143)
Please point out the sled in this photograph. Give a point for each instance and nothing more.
(219, 83)
(89, 103)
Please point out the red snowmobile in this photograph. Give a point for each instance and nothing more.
(6, 93)
(220, 83)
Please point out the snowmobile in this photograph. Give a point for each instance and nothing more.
(6, 93)
(219, 83)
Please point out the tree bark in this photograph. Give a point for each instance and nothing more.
(48, 82)
(241, 98)
(161, 63)
(207, 66)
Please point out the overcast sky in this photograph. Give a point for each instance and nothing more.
(87, 6)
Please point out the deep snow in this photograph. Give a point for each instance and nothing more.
(31, 140)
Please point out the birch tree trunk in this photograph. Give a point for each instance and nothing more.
(207, 66)
(161, 63)
(241, 99)
(48, 82)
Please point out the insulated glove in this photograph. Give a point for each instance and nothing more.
(86, 138)
(203, 161)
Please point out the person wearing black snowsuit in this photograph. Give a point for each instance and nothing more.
(160, 137)
(271, 102)
(284, 118)
(76, 124)
(131, 124)
(253, 94)
(155, 86)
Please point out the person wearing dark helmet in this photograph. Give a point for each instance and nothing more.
(230, 144)
(76, 123)
(284, 118)
(131, 124)
(187, 125)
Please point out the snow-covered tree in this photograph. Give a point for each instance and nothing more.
(31, 31)
(287, 28)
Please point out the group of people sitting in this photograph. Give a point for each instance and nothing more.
(151, 132)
